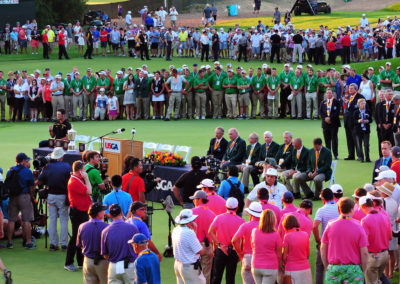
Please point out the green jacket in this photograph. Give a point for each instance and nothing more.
(300, 164)
(270, 153)
(236, 155)
(67, 91)
(285, 155)
(118, 85)
(254, 155)
(324, 162)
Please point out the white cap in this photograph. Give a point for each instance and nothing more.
(202, 67)
(337, 188)
(221, 29)
(208, 67)
(37, 71)
(373, 197)
(255, 209)
(287, 65)
(129, 12)
(272, 172)
(206, 183)
(299, 66)
(363, 15)
(185, 216)
(216, 63)
(232, 203)
(57, 76)
(309, 66)
(386, 174)
(368, 187)
(184, 66)
(363, 200)
(265, 66)
(102, 89)
(119, 72)
(171, 67)
(388, 63)
(382, 169)
(145, 72)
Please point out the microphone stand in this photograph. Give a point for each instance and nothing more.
(101, 139)
(133, 134)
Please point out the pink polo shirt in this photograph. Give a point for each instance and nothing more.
(274, 208)
(216, 203)
(288, 208)
(264, 247)
(226, 226)
(298, 245)
(344, 238)
(358, 213)
(203, 222)
(245, 233)
(383, 212)
(378, 231)
(305, 223)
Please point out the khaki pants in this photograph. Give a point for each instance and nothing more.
(375, 267)
(258, 98)
(297, 102)
(244, 100)
(88, 101)
(187, 105)
(127, 277)
(174, 99)
(200, 99)
(143, 106)
(300, 276)
(68, 106)
(265, 276)
(94, 274)
(246, 175)
(287, 179)
(247, 276)
(77, 101)
(275, 107)
(231, 105)
(300, 179)
(57, 102)
(206, 262)
(3, 106)
(185, 274)
(217, 97)
(312, 98)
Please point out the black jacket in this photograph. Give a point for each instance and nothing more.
(334, 114)
(235, 155)
(300, 164)
(349, 111)
(386, 116)
(142, 87)
(357, 125)
(221, 149)
(270, 153)
(286, 156)
(254, 156)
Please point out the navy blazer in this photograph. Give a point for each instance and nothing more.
(378, 163)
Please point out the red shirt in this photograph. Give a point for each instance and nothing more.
(61, 39)
(389, 42)
(77, 195)
(360, 41)
(346, 40)
(396, 167)
(331, 46)
(103, 36)
(136, 185)
(45, 38)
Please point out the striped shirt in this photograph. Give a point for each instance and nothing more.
(186, 245)
(326, 213)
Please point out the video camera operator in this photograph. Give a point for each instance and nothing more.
(96, 180)
(55, 176)
(59, 130)
(133, 183)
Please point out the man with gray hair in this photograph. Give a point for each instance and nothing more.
(236, 150)
(251, 157)
(57, 98)
(284, 154)
(385, 117)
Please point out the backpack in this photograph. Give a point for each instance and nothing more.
(235, 192)
(12, 187)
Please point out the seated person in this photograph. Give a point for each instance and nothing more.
(235, 151)
(283, 156)
(218, 144)
(59, 130)
(252, 154)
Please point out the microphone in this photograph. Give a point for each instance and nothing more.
(119, 131)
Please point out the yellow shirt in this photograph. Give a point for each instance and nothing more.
(183, 36)
(51, 35)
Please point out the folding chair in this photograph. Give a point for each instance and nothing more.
(184, 149)
(165, 147)
(149, 145)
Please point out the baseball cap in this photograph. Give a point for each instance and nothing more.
(138, 238)
(21, 157)
(272, 172)
(288, 197)
(265, 66)
(95, 208)
(306, 203)
(299, 66)
(371, 68)
(255, 209)
(199, 194)
(232, 203)
(206, 183)
(119, 72)
(115, 210)
(136, 205)
(396, 150)
(363, 200)
(287, 65)
(386, 174)
(387, 63)
(337, 188)
(102, 89)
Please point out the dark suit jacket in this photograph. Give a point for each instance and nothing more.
(349, 111)
(300, 164)
(237, 153)
(357, 125)
(286, 156)
(396, 120)
(272, 150)
(383, 116)
(255, 155)
(378, 163)
(141, 88)
(334, 114)
(324, 162)
(378, 109)
(220, 151)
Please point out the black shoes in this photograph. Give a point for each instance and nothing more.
(349, 159)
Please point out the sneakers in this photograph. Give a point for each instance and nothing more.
(30, 246)
(10, 245)
(70, 268)
(203, 117)
(53, 247)
(64, 248)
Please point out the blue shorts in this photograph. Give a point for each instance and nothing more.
(255, 50)
(184, 44)
(223, 45)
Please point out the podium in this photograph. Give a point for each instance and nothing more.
(116, 150)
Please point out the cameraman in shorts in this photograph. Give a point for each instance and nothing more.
(55, 176)
(95, 178)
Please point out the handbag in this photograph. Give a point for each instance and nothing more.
(287, 279)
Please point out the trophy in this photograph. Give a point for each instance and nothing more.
(71, 138)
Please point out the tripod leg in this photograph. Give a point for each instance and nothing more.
(45, 227)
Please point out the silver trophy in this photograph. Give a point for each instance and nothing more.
(71, 138)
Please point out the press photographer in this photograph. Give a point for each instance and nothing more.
(133, 183)
(55, 176)
(97, 180)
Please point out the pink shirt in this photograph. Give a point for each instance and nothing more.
(378, 236)
(245, 233)
(358, 213)
(203, 222)
(264, 247)
(216, 203)
(344, 248)
(226, 226)
(298, 245)
(305, 223)
(288, 208)
(274, 208)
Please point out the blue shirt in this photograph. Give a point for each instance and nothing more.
(25, 178)
(149, 21)
(154, 37)
(356, 79)
(225, 188)
(4, 207)
(89, 237)
(120, 197)
(114, 241)
(96, 35)
(142, 227)
(56, 175)
(147, 268)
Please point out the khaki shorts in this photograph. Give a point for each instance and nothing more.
(244, 99)
(21, 203)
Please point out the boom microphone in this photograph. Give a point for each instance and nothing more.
(119, 131)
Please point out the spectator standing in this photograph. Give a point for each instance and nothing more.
(277, 16)
(117, 196)
(95, 178)
(89, 42)
(215, 202)
(57, 92)
(173, 13)
(174, 87)
(133, 183)
(61, 44)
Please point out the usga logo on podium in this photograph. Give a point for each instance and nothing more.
(112, 146)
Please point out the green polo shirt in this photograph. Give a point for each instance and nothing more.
(297, 82)
(216, 81)
(396, 80)
(374, 79)
(258, 82)
(95, 179)
(286, 77)
(228, 81)
(198, 81)
(89, 83)
(311, 84)
(243, 82)
(76, 85)
(118, 85)
(273, 82)
(190, 80)
(2, 83)
(194, 75)
(103, 83)
(321, 81)
(385, 75)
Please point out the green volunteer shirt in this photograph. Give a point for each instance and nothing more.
(311, 84)
(89, 83)
(67, 86)
(321, 82)
(190, 80)
(76, 85)
(297, 82)
(243, 82)
(103, 82)
(216, 81)
(396, 80)
(118, 85)
(228, 81)
(95, 180)
(385, 75)
(198, 81)
(374, 79)
(286, 77)
(258, 82)
(327, 80)
(2, 83)
(273, 82)
(194, 75)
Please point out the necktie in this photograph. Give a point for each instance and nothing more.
(316, 161)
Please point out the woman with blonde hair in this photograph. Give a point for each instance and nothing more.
(267, 249)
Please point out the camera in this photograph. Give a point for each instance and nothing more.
(148, 174)
(40, 162)
(103, 167)
(213, 164)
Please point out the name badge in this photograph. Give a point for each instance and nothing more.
(286, 80)
(258, 85)
(247, 162)
(308, 88)
(77, 90)
(117, 88)
(273, 86)
(295, 86)
(156, 89)
(281, 161)
(243, 90)
(87, 87)
(217, 83)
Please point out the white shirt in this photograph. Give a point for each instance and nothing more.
(186, 245)
(112, 103)
(204, 40)
(366, 91)
(162, 14)
(255, 40)
(391, 207)
(128, 18)
(363, 22)
(173, 14)
(276, 196)
(21, 89)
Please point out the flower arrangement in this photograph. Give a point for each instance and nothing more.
(167, 159)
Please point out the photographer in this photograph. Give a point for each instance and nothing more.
(186, 184)
(93, 158)
(79, 190)
(133, 183)
(55, 176)
(59, 130)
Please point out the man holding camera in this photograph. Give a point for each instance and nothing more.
(133, 183)
(55, 176)
(93, 158)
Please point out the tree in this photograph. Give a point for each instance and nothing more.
(59, 11)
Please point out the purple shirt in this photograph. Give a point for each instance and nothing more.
(114, 241)
(89, 237)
